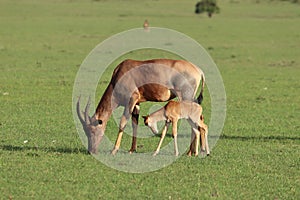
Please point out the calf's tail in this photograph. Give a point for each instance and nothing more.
(200, 97)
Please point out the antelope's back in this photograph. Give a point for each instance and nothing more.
(157, 79)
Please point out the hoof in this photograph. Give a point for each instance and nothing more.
(202, 153)
(155, 153)
(132, 151)
(114, 151)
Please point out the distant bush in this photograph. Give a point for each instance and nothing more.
(209, 6)
(295, 1)
(292, 1)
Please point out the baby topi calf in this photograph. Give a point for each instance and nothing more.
(171, 113)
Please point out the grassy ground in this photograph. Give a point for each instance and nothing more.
(256, 47)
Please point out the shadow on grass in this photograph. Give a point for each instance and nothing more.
(44, 149)
(258, 138)
(64, 150)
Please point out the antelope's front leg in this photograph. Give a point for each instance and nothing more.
(135, 121)
(123, 123)
(127, 112)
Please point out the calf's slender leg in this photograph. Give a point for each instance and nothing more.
(174, 132)
(197, 133)
(163, 134)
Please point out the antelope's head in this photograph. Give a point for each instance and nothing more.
(148, 121)
(93, 128)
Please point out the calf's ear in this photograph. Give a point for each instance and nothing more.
(145, 120)
(201, 117)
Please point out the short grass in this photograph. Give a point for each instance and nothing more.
(256, 47)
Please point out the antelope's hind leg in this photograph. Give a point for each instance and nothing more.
(204, 137)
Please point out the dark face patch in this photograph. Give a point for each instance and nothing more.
(145, 120)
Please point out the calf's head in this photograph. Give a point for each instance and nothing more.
(148, 121)
(93, 128)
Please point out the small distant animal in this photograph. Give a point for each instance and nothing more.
(171, 113)
(146, 25)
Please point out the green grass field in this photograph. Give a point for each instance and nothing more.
(256, 47)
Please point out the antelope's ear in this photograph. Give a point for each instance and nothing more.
(145, 117)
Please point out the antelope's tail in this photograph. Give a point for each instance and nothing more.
(200, 97)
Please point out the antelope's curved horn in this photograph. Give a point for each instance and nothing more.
(79, 112)
(86, 112)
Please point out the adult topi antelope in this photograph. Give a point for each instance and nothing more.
(134, 82)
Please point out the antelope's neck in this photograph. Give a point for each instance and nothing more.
(106, 105)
